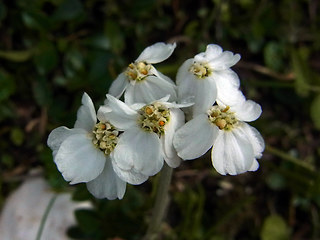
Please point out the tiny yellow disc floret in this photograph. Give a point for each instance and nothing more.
(138, 71)
(154, 118)
(222, 117)
(105, 137)
(200, 70)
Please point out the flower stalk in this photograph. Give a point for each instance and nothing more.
(161, 204)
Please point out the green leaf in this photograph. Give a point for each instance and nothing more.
(315, 111)
(276, 181)
(68, 10)
(274, 228)
(273, 55)
(16, 56)
(7, 160)
(115, 35)
(35, 19)
(3, 11)
(301, 70)
(7, 84)
(17, 136)
(42, 92)
(88, 220)
(46, 57)
(99, 41)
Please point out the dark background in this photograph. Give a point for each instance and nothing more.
(51, 51)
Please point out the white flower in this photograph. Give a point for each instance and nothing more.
(147, 138)
(236, 145)
(82, 154)
(208, 77)
(141, 82)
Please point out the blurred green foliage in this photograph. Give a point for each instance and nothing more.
(51, 51)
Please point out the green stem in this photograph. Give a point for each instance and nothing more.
(161, 203)
(289, 158)
(45, 216)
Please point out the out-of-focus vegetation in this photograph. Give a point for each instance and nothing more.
(51, 51)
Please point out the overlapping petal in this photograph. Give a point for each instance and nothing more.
(119, 85)
(149, 90)
(232, 153)
(86, 115)
(130, 176)
(107, 184)
(58, 135)
(156, 53)
(247, 111)
(212, 51)
(255, 139)
(224, 61)
(139, 150)
(185, 82)
(175, 122)
(78, 160)
(183, 71)
(121, 116)
(254, 166)
(205, 95)
(228, 92)
(155, 72)
(195, 138)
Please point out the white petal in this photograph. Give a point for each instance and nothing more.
(228, 83)
(156, 53)
(107, 184)
(139, 150)
(226, 78)
(86, 115)
(78, 160)
(121, 116)
(119, 85)
(150, 89)
(101, 113)
(160, 75)
(202, 91)
(175, 122)
(195, 138)
(137, 106)
(255, 139)
(254, 166)
(163, 100)
(176, 105)
(247, 111)
(129, 176)
(58, 135)
(186, 92)
(212, 51)
(205, 95)
(232, 153)
(224, 61)
(183, 72)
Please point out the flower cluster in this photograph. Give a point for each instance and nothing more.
(129, 141)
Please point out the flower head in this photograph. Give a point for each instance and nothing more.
(147, 138)
(141, 82)
(82, 154)
(235, 144)
(208, 77)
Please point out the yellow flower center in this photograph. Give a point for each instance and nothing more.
(105, 137)
(138, 71)
(222, 117)
(154, 117)
(200, 70)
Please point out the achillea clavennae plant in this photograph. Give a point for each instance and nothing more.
(129, 141)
